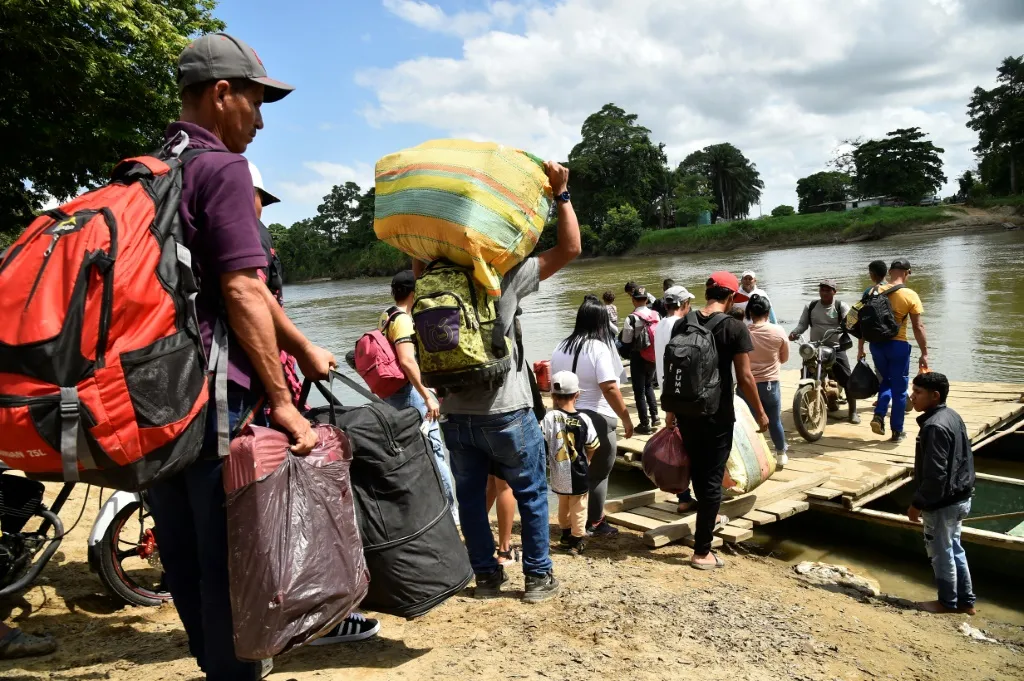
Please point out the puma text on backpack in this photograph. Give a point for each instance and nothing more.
(376, 361)
(455, 330)
(876, 321)
(692, 386)
(102, 375)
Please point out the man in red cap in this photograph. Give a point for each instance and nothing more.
(707, 428)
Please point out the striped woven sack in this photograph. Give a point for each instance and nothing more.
(478, 205)
(751, 461)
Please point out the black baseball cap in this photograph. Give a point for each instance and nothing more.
(219, 56)
(404, 280)
(639, 293)
(900, 264)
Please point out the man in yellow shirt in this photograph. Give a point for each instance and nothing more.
(892, 357)
(397, 326)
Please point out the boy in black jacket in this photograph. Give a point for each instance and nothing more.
(944, 475)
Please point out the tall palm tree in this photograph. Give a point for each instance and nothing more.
(736, 183)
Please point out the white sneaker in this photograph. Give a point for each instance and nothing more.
(781, 459)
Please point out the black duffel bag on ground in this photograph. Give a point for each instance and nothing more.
(863, 383)
(412, 546)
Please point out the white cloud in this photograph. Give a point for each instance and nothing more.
(464, 24)
(785, 80)
(327, 175)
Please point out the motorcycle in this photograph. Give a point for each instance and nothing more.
(816, 395)
(122, 546)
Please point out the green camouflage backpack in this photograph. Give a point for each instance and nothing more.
(456, 336)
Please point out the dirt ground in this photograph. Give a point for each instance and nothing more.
(624, 611)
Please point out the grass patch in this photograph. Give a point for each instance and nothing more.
(1016, 200)
(864, 223)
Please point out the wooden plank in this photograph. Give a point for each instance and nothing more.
(1000, 434)
(785, 509)
(734, 535)
(823, 493)
(716, 542)
(634, 521)
(656, 514)
(759, 518)
(858, 502)
(668, 507)
(742, 523)
(767, 493)
(784, 475)
(636, 500)
(967, 533)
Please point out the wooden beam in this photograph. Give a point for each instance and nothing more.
(785, 508)
(1012, 429)
(823, 493)
(999, 478)
(734, 535)
(657, 514)
(634, 521)
(758, 518)
(859, 502)
(741, 523)
(634, 500)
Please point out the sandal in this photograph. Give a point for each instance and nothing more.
(510, 557)
(719, 563)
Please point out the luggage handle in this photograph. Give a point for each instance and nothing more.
(328, 392)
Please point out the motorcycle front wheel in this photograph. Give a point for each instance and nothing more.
(810, 413)
(129, 564)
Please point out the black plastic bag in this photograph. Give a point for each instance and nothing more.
(863, 383)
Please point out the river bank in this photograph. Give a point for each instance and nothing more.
(865, 224)
(624, 611)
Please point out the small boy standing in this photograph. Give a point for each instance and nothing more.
(944, 476)
(565, 430)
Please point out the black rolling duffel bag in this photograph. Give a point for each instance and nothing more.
(412, 546)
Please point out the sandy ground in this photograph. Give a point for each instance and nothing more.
(624, 611)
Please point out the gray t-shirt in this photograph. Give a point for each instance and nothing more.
(821, 318)
(514, 394)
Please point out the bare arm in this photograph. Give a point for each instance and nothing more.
(611, 392)
(922, 340)
(783, 351)
(252, 321)
(860, 349)
(406, 354)
(805, 321)
(569, 245)
(745, 379)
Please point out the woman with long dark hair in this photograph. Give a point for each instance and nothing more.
(771, 351)
(589, 352)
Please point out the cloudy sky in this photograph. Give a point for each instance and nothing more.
(784, 80)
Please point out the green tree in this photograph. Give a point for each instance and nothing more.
(903, 165)
(821, 188)
(615, 163)
(621, 230)
(691, 197)
(339, 211)
(966, 182)
(997, 115)
(85, 83)
(735, 183)
(783, 211)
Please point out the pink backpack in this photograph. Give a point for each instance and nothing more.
(377, 364)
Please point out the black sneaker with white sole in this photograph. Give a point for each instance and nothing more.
(602, 529)
(353, 628)
(540, 587)
(489, 586)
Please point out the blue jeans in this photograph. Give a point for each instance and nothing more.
(191, 530)
(892, 362)
(949, 561)
(410, 397)
(515, 444)
(770, 393)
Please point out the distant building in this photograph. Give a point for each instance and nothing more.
(853, 204)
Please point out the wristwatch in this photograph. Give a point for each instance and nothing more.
(563, 197)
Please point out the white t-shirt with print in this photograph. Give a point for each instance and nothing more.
(598, 364)
(662, 335)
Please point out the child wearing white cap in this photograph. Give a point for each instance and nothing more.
(565, 430)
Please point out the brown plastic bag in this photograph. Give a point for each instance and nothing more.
(295, 557)
(665, 461)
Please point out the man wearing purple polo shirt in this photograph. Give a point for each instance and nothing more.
(223, 84)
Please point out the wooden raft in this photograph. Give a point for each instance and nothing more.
(848, 467)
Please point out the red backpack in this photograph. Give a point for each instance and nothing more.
(102, 371)
(377, 364)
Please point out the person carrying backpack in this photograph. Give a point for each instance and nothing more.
(638, 334)
(396, 325)
(706, 346)
(882, 322)
(223, 84)
(494, 424)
